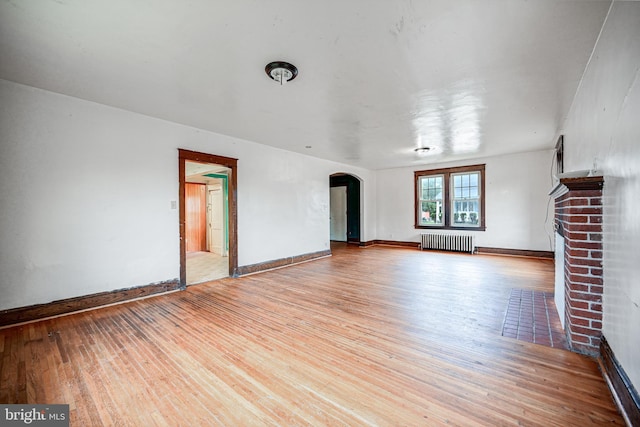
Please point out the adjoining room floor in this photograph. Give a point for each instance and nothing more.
(206, 266)
(532, 316)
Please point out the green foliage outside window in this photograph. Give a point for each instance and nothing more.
(431, 213)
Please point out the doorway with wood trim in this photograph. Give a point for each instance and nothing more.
(208, 230)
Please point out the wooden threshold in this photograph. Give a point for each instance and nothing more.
(383, 336)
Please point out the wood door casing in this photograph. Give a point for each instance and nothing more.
(185, 156)
(196, 218)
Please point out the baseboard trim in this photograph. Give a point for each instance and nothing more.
(414, 245)
(282, 262)
(479, 249)
(65, 306)
(369, 243)
(624, 393)
(515, 252)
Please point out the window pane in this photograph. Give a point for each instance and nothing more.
(465, 200)
(466, 213)
(431, 203)
(431, 213)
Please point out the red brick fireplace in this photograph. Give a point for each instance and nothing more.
(578, 219)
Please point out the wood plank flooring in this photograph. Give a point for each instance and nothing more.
(376, 336)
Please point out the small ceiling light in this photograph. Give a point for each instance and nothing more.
(281, 71)
(423, 150)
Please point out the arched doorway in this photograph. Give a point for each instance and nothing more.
(345, 191)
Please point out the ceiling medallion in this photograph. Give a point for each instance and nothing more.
(281, 71)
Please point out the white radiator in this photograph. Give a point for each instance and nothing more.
(448, 242)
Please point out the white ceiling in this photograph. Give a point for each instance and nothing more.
(376, 78)
(196, 172)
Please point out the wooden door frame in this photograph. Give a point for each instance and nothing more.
(232, 164)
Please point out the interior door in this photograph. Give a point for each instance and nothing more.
(338, 212)
(195, 217)
(216, 221)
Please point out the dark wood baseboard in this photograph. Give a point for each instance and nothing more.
(282, 262)
(40, 311)
(385, 243)
(479, 249)
(397, 243)
(515, 252)
(624, 393)
(349, 242)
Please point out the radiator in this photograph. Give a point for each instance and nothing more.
(448, 242)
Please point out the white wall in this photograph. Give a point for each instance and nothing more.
(517, 202)
(85, 194)
(604, 127)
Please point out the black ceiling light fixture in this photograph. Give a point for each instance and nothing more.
(281, 71)
(423, 150)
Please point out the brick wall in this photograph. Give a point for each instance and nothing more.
(578, 217)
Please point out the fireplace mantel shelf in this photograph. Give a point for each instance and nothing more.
(565, 185)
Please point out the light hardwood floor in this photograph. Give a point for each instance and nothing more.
(375, 336)
(205, 267)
